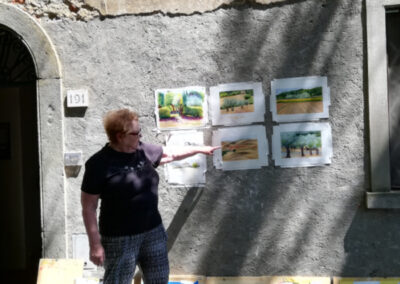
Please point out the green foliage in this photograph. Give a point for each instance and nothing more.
(164, 112)
(194, 111)
(301, 139)
(192, 98)
(230, 103)
(235, 93)
(300, 94)
(161, 102)
(287, 138)
(169, 97)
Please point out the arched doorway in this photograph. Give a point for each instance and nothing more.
(20, 242)
(49, 118)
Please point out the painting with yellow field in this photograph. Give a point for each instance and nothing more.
(293, 100)
(300, 99)
(60, 271)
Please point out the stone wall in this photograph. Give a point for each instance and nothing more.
(271, 221)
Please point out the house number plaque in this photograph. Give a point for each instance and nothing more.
(77, 98)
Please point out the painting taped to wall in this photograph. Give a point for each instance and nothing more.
(244, 147)
(190, 171)
(237, 103)
(302, 144)
(181, 108)
(300, 99)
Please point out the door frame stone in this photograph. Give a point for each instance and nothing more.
(50, 127)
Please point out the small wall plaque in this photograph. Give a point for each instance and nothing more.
(78, 98)
(73, 159)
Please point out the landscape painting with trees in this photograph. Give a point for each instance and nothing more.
(181, 108)
(300, 99)
(302, 144)
(237, 103)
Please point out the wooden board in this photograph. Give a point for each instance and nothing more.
(366, 280)
(187, 279)
(60, 271)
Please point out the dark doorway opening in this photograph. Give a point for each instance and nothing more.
(20, 218)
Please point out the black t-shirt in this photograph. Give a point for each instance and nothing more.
(128, 188)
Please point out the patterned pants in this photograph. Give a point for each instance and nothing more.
(148, 250)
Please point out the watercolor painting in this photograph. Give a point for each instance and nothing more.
(190, 171)
(300, 99)
(291, 101)
(302, 144)
(242, 148)
(181, 108)
(237, 103)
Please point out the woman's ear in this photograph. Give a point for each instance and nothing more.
(119, 136)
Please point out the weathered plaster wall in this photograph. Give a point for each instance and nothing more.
(112, 7)
(88, 9)
(272, 221)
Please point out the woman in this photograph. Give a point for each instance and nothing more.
(122, 174)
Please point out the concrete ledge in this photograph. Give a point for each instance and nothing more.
(383, 200)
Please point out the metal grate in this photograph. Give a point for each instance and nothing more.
(16, 64)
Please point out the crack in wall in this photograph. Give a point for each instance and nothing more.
(86, 10)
